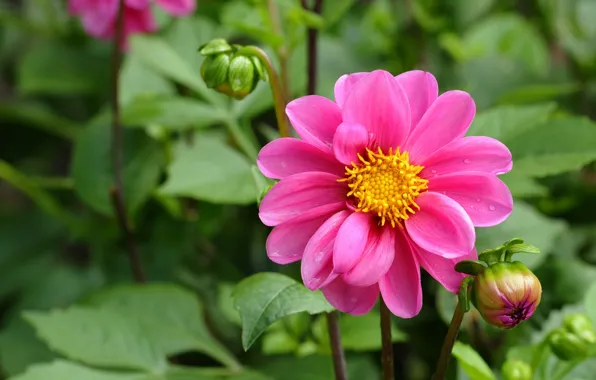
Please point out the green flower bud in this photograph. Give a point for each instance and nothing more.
(242, 76)
(506, 294)
(215, 46)
(215, 71)
(580, 325)
(516, 370)
(566, 345)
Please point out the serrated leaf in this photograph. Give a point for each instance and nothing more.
(472, 363)
(97, 337)
(175, 113)
(506, 122)
(267, 297)
(171, 316)
(553, 147)
(92, 167)
(211, 171)
(155, 53)
(65, 370)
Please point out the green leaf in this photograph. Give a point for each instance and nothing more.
(42, 198)
(156, 54)
(530, 225)
(523, 248)
(590, 302)
(176, 113)
(512, 36)
(553, 147)
(52, 67)
(471, 362)
(362, 333)
(138, 80)
(211, 171)
(266, 297)
(172, 318)
(97, 337)
(92, 167)
(521, 185)
(65, 370)
(39, 116)
(20, 347)
(506, 122)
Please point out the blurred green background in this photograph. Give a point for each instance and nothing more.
(191, 185)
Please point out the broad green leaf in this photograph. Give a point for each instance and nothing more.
(38, 116)
(175, 113)
(172, 318)
(590, 302)
(521, 185)
(530, 225)
(266, 297)
(20, 347)
(468, 11)
(98, 337)
(52, 67)
(533, 93)
(155, 53)
(137, 80)
(472, 363)
(573, 277)
(40, 196)
(209, 170)
(553, 147)
(506, 122)
(66, 370)
(92, 166)
(510, 35)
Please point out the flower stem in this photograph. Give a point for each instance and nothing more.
(117, 190)
(312, 42)
(387, 350)
(278, 95)
(443, 363)
(339, 360)
(282, 51)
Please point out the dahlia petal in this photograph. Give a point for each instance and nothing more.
(376, 259)
(442, 269)
(421, 89)
(315, 119)
(344, 86)
(99, 20)
(137, 4)
(486, 199)
(286, 242)
(302, 196)
(178, 7)
(349, 140)
(354, 300)
(287, 156)
(441, 226)
(469, 154)
(317, 263)
(447, 119)
(77, 7)
(380, 104)
(137, 21)
(400, 286)
(351, 241)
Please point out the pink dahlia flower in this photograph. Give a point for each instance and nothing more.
(99, 16)
(383, 182)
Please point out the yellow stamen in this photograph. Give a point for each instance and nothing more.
(386, 185)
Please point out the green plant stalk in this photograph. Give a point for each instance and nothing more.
(387, 343)
(443, 363)
(279, 100)
(282, 52)
(339, 360)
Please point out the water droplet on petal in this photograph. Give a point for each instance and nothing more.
(319, 257)
(466, 161)
(274, 254)
(283, 164)
(491, 207)
(433, 171)
(478, 200)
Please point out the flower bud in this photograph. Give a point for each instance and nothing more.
(242, 76)
(516, 370)
(566, 345)
(580, 325)
(215, 72)
(506, 293)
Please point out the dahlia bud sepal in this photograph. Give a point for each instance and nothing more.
(516, 370)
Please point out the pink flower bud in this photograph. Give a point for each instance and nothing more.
(506, 294)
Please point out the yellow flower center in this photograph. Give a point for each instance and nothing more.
(385, 184)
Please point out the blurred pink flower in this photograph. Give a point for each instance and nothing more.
(99, 16)
(383, 182)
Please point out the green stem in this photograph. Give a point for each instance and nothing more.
(282, 51)
(443, 363)
(278, 94)
(240, 138)
(387, 343)
(339, 359)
